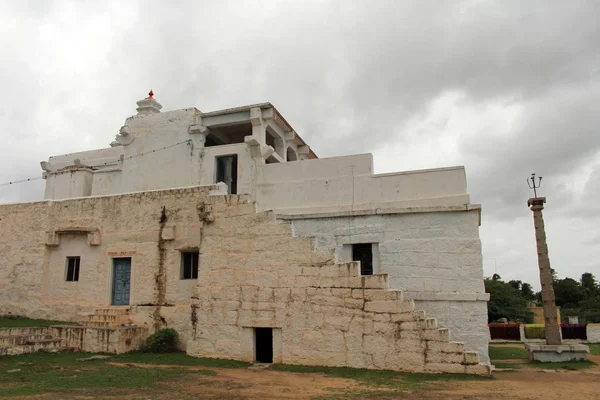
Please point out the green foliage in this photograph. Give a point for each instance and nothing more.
(580, 299)
(594, 349)
(506, 302)
(162, 341)
(568, 293)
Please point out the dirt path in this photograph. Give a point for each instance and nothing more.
(265, 384)
(530, 385)
(256, 383)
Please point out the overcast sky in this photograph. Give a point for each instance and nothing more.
(505, 88)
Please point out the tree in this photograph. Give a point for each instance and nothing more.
(527, 291)
(506, 302)
(568, 293)
(589, 285)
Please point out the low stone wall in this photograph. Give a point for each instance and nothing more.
(593, 333)
(100, 339)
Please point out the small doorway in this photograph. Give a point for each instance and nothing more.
(121, 281)
(264, 345)
(363, 252)
(227, 172)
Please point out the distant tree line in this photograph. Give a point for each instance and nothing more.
(511, 300)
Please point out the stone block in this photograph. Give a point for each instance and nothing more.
(389, 306)
(380, 294)
(436, 335)
(446, 347)
(471, 358)
(445, 368)
(483, 369)
(405, 361)
(439, 357)
(557, 353)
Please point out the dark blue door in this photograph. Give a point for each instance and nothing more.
(121, 279)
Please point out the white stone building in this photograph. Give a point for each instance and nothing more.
(145, 225)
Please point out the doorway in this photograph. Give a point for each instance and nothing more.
(264, 345)
(227, 172)
(363, 252)
(121, 282)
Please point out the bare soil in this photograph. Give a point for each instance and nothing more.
(264, 384)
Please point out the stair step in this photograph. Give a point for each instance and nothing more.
(113, 311)
(13, 340)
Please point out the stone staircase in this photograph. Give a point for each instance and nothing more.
(14, 341)
(108, 318)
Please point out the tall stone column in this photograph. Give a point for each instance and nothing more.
(552, 324)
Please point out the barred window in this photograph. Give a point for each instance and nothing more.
(73, 269)
(189, 265)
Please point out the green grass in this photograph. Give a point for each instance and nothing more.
(563, 365)
(508, 353)
(10, 321)
(46, 373)
(595, 349)
(177, 358)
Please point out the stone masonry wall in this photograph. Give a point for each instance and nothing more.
(255, 274)
(433, 257)
(33, 252)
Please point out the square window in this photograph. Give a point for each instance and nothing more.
(73, 269)
(363, 252)
(189, 265)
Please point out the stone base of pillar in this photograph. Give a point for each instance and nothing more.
(557, 353)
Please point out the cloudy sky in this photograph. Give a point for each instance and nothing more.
(505, 88)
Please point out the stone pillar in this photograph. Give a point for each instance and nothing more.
(551, 321)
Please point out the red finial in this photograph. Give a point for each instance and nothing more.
(150, 94)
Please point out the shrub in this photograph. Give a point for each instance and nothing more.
(162, 341)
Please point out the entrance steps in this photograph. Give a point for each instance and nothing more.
(108, 317)
(14, 341)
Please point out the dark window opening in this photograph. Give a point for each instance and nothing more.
(291, 154)
(227, 172)
(189, 265)
(264, 345)
(363, 252)
(73, 269)
(270, 140)
(228, 134)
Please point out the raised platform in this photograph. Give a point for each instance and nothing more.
(557, 353)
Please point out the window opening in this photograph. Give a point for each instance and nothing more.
(227, 172)
(189, 265)
(264, 345)
(73, 269)
(291, 154)
(363, 252)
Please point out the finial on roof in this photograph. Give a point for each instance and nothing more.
(149, 105)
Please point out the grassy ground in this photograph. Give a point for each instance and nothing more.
(57, 374)
(516, 355)
(508, 353)
(9, 321)
(47, 373)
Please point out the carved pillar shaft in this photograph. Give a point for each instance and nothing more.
(550, 318)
